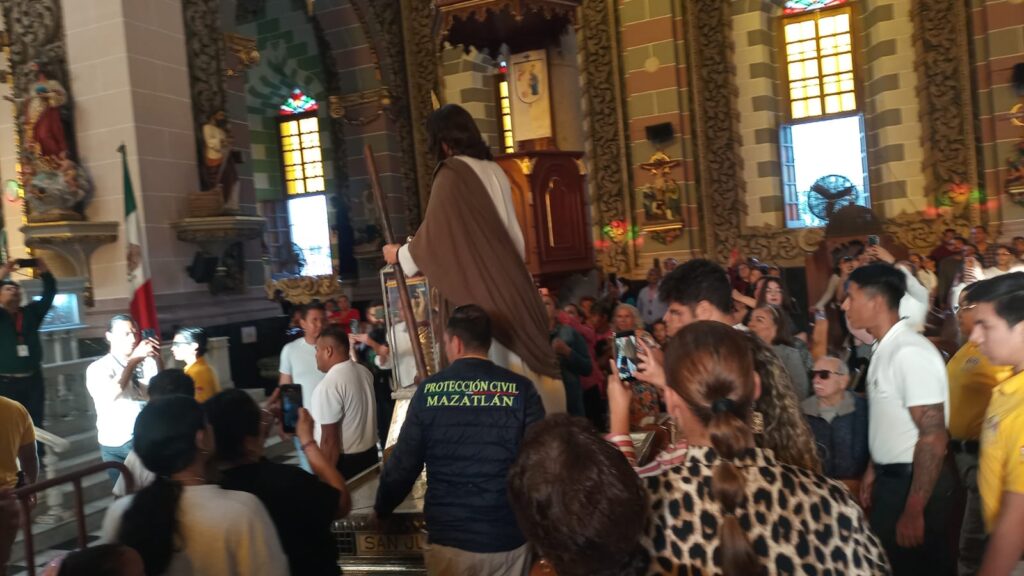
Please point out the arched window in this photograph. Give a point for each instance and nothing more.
(304, 182)
(824, 161)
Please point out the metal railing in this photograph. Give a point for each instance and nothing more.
(25, 494)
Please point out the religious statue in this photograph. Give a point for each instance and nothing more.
(219, 164)
(55, 186)
(662, 200)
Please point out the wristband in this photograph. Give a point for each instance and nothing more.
(307, 445)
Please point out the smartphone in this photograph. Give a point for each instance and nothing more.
(625, 355)
(27, 262)
(353, 326)
(148, 333)
(873, 240)
(291, 401)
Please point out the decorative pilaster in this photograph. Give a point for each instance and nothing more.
(205, 45)
(419, 26)
(609, 167)
(947, 117)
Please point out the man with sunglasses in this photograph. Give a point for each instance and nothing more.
(839, 421)
(971, 380)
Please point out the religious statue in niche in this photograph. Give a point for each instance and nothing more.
(219, 161)
(662, 200)
(56, 187)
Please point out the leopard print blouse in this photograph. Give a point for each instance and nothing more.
(798, 522)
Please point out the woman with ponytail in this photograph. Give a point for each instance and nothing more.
(727, 507)
(180, 524)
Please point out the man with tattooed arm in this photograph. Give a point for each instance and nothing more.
(907, 487)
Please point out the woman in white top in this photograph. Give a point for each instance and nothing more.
(179, 524)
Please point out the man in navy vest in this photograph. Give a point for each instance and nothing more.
(466, 424)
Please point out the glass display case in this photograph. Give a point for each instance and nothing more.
(402, 360)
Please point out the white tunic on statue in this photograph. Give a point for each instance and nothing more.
(551, 391)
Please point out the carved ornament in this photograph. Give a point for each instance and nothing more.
(205, 50)
(947, 116)
(479, 9)
(422, 70)
(526, 165)
(598, 42)
(244, 50)
(219, 229)
(305, 289)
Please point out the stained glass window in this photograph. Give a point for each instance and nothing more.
(301, 155)
(819, 64)
(298, 103)
(797, 6)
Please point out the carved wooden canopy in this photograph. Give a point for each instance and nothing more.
(521, 24)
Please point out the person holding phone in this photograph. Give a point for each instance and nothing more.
(21, 354)
(119, 386)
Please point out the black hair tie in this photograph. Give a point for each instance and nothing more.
(722, 405)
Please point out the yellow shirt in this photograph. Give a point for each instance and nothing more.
(971, 380)
(1001, 466)
(205, 379)
(16, 430)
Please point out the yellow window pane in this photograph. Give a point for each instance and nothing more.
(832, 104)
(814, 107)
(503, 89)
(311, 155)
(828, 45)
(799, 108)
(843, 42)
(293, 157)
(506, 123)
(813, 88)
(314, 185)
(829, 65)
(796, 71)
(846, 83)
(842, 23)
(299, 187)
(314, 169)
(311, 140)
(793, 33)
(807, 29)
(845, 62)
(848, 101)
(827, 26)
(797, 92)
(831, 85)
(290, 143)
(289, 128)
(810, 69)
(310, 124)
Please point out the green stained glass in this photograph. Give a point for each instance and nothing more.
(298, 103)
(798, 6)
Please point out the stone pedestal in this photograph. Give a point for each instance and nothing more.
(222, 237)
(75, 242)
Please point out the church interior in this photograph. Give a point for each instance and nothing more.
(217, 150)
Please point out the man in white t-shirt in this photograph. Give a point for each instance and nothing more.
(118, 385)
(298, 358)
(907, 487)
(343, 406)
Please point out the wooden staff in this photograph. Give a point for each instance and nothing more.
(403, 290)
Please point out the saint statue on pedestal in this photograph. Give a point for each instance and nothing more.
(218, 162)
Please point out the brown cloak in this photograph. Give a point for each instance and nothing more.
(465, 252)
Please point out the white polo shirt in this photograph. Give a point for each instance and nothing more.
(906, 370)
(298, 360)
(345, 396)
(116, 410)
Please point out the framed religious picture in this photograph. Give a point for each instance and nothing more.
(530, 95)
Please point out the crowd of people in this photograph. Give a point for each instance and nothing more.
(842, 435)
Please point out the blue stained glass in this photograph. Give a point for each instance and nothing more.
(797, 6)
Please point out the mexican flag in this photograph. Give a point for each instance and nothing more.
(143, 307)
